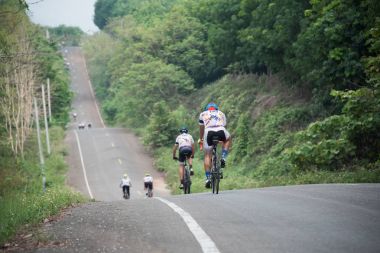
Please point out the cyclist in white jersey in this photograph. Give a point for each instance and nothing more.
(125, 183)
(185, 143)
(148, 181)
(213, 122)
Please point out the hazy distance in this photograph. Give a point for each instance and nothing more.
(63, 12)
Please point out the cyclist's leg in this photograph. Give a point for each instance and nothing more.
(180, 172)
(207, 147)
(226, 139)
(190, 161)
(181, 160)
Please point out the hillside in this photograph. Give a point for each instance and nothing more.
(298, 81)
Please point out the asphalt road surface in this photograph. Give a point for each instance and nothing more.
(98, 155)
(306, 218)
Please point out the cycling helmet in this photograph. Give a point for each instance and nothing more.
(125, 175)
(211, 106)
(183, 130)
(147, 174)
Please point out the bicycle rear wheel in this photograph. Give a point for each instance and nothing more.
(186, 181)
(215, 179)
(150, 193)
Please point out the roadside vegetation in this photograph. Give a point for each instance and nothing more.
(27, 59)
(298, 81)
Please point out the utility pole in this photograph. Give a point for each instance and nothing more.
(49, 103)
(46, 123)
(42, 162)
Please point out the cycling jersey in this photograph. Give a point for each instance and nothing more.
(213, 118)
(184, 140)
(148, 179)
(214, 122)
(125, 182)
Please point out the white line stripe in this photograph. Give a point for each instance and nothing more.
(113, 145)
(207, 245)
(119, 161)
(83, 167)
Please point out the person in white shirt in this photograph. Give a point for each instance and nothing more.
(148, 182)
(185, 143)
(213, 122)
(125, 184)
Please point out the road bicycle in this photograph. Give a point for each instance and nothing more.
(126, 194)
(216, 173)
(149, 193)
(186, 182)
(186, 178)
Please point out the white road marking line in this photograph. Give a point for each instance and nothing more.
(139, 193)
(83, 167)
(107, 134)
(207, 245)
(113, 145)
(120, 162)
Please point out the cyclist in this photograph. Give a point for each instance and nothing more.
(185, 143)
(213, 122)
(148, 182)
(74, 116)
(125, 183)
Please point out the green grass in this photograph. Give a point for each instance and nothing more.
(22, 200)
(236, 177)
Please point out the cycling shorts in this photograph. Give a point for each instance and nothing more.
(148, 185)
(183, 153)
(221, 132)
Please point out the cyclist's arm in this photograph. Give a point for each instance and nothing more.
(201, 131)
(175, 149)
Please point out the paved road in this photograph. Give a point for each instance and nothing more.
(310, 218)
(107, 153)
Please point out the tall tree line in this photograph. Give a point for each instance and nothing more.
(27, 60)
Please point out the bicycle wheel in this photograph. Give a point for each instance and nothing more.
(150, 193)
(186, 181)
(213, 181)
(215, 173)
(217, 180)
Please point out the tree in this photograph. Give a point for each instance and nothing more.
(18, 76)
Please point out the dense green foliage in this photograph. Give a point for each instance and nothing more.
(66, 35)
(298, 81)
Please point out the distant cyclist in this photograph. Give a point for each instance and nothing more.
(148, 182)
(185, 143)
(125, 184)
(213, 122)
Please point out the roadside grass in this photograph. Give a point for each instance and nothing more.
(235, 179)
(22, 200)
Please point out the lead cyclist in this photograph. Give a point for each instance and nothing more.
(213, 122)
